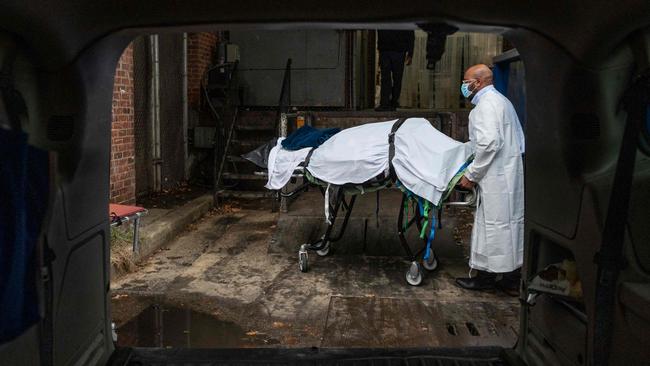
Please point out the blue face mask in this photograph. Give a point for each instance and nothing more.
(464, 89)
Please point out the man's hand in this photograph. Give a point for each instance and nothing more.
(408, 60)
(466, 183)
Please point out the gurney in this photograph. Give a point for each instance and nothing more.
(394, 154)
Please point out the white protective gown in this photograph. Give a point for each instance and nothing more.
(497, 140)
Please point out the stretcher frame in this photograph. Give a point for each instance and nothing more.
(323, 245)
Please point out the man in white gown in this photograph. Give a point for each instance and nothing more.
(497, 141)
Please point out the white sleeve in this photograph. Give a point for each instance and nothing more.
(521, 137)
(489, 141)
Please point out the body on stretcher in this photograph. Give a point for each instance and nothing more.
(409, 154)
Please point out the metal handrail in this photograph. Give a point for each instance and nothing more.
(470, 202)
(285, 93)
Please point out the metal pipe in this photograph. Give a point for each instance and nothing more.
(136, 234)
(282, 132)
(152, 107)
(158, 142)
(185, 108)
(155, 113)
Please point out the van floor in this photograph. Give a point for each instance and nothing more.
(232, 280)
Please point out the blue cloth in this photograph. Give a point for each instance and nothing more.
(307, 136)
(24, 188)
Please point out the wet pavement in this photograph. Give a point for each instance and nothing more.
(233, 281)
(169, 326)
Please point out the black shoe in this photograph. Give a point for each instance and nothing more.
(482, 281)
(509, 283)
(509, 288)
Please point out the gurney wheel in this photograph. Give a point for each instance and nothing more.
(414, 274)
(430, 264)
(325, 251)
(303, 261)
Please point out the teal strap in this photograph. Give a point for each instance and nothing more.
(432, 234)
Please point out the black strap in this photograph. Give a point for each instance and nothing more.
(308, 158)
(391, 147)
(610, 257)
(377, 210)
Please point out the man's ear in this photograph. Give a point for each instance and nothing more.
(476, 84)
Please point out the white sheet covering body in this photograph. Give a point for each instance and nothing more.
(282, 163)
(354, 155)
(425, 158)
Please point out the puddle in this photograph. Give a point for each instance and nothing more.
(172, 327)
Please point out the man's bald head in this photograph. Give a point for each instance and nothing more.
(480, 76)
(480, 72)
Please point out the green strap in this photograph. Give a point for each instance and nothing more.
(423, 232)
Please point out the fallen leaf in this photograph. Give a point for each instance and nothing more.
(277, 325)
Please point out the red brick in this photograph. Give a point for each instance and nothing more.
(200, 49)
(122, 171)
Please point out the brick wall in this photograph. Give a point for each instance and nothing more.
(122, 138)
(200, 51)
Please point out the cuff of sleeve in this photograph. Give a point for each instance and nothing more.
(472, 177)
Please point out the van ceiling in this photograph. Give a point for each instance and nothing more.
(59, 30)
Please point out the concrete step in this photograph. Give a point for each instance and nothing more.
(226, 193)
(240, 176)
(158, 230)
(253, 141)
(237, 159)
(255, 128)
(242, 146)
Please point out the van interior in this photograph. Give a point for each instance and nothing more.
(587, 180)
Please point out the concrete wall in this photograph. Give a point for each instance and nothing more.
(318, 66)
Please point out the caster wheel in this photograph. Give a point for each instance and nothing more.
(414, 274)
(325, 251)
(303, 260)
(430, 264)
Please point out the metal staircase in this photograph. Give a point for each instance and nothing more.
(235, 176)
(239, 177)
